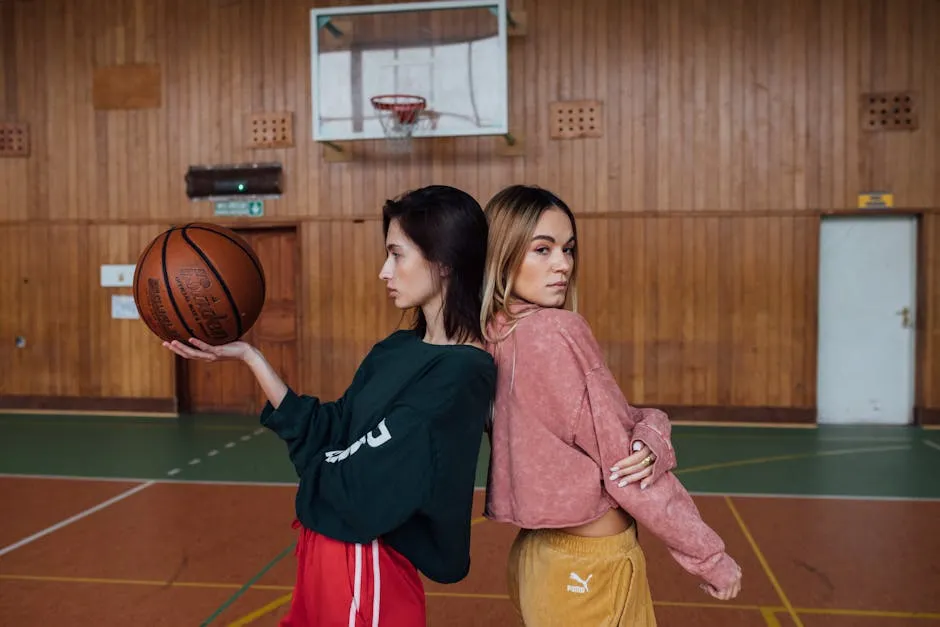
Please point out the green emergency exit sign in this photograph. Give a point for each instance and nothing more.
(239, 208)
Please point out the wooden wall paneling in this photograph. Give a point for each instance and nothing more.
(73, 347)
(928, 325)
(13, 360)
(127, 86)
(347, 309)
(715, 111)
(229, 386)
(123, 357)
(703, 311)
(18, 317)
(8, 104)
(750, 108)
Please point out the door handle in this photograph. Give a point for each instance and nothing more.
(905, 314)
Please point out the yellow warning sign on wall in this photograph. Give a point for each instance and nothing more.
(875, 200)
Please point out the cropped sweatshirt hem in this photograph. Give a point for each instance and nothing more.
(395, 457)
(546, 522)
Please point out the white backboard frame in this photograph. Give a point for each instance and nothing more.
(500, 128)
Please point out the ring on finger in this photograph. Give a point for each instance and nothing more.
(648, 460)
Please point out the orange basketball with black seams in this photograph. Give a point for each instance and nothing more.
(199, 280)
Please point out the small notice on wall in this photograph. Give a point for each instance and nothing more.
(114, 275)
(876, 200)
(123, 307)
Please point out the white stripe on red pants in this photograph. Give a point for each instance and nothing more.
(342, 584)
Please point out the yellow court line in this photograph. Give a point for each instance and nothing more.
(711, 606)
(870, 613)
(468, 595)
(770, 616)
(261, 611)
(782, 458)
(685, 604)
(763, 563)
(270, 607)
(472, 595)
(139, 582)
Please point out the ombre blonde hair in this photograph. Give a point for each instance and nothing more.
(513, 214)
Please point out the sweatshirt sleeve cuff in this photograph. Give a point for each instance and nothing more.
(273, 418)
(661, 447)
(723, 573)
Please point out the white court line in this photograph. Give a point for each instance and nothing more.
(932, 444)
(76, 517)
(123, 495)
(289, 484)
(26, 475)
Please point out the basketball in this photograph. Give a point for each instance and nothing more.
(199, 280)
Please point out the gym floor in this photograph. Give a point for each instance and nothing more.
(117, 520)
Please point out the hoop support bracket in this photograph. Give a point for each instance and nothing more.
(327, 23)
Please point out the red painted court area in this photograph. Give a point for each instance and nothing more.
(114, 552)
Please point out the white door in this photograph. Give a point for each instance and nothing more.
(867, 300)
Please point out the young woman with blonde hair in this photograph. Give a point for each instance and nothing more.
(559, 424)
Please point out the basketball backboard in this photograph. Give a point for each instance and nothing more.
(450, 54)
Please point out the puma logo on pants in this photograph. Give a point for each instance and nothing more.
(583, 588)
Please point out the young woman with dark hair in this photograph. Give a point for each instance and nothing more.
(387, 471)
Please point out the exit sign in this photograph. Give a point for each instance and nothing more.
(240, 208)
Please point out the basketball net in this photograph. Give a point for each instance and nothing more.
(400, 115)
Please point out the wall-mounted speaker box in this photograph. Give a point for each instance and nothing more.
(227, 182)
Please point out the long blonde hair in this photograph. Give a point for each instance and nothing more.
(513, 214)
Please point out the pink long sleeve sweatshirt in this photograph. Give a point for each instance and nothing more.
(560, 423)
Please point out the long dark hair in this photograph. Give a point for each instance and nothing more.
(449, 227)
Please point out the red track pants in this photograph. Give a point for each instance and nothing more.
(353, 585)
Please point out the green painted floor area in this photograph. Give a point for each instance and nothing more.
(886, 462)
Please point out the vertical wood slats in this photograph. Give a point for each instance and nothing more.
(728, 126)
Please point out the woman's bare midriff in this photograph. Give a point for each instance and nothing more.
(610, 524)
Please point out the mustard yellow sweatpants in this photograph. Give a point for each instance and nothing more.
(560, 580)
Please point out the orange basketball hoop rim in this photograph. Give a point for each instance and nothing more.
(404, 107)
